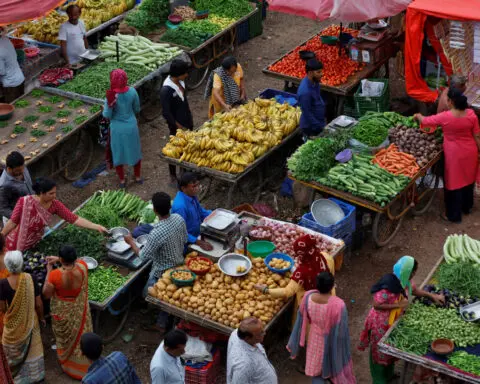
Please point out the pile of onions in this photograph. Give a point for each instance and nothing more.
(260, 233)
(284, 235)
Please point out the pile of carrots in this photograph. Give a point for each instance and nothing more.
(396, 162)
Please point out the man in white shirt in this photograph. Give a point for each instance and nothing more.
(72, 36)
(12, 80)
(247, 362)
(166, 366)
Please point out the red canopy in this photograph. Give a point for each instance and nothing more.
(416, 24)
(342, 10)
(15, 11)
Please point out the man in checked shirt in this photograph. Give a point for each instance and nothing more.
(165, 246)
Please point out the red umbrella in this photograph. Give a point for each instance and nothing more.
(343, 10)
(15, 11)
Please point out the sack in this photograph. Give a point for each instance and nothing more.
(372, 88)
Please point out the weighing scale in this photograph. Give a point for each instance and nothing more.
(121, 253)
(222, 226)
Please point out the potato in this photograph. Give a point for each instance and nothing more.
(208, 278)
(161, 285)
(197, 287)
(171, 288)
(176, 294)
(152, 292)
(246, 314)
(166, 281)
(235, 287)
(219, 304)
(215, 284)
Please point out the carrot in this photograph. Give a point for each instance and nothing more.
(396, 162)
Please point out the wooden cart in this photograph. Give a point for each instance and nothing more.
(340, 91)
(417, 196)
(259, 166)
(410, 358)
(69, 153)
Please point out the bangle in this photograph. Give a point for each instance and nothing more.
(265, 290)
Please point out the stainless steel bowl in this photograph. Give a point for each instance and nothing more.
(142, 240)
(90, 261)
(228, 264)
(117, 233)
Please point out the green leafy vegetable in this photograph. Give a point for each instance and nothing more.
(80, 119)
(186, 38)
(31, 118)
(95, 108)
(103, 282)
(3, 124)
(22, 103)
(465, 361)
(55, 99)
(48, 122)
(234, 9)
(37, 93)
(105, 216)
(63, 113)
(45, 109)
(19, 129)
(37, 133)
(67, 128)
(150, 15)
(463, 278)
(75, 103)
(203, 26)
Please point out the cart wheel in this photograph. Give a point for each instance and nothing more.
(75, 155)
(426, 194)
(205, 185)
(385, 229)
(196, 77)
(44, 167)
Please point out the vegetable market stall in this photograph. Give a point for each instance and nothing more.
(219, 302)
(234, 144)
(399, 178)
(451, 276)
(341, 75)
(49, 127)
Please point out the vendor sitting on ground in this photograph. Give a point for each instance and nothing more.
(73, 36)
(15, 182)
(311, 103)
(165, 246)
(186, 204)
(12, 80)
(456, 81)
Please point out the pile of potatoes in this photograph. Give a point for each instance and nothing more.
(224, 299)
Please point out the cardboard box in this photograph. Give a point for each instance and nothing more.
(369, 52)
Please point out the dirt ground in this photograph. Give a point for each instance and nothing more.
(421, 237)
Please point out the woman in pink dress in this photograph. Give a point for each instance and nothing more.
(461, 143)
(328, 347)
(33, 213)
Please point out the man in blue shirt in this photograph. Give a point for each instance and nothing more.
(113, 369)
(186, 204)
(312, 121)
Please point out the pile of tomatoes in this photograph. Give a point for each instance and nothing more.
(336, 68)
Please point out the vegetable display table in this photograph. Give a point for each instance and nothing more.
(417, 196)
(410, 358)
(47, 127)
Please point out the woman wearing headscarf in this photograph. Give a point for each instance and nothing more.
(21, 302)
(310, 262)
(390, 298)
(67, 286)
(5, 374)
(121, 106)
(328, 348)
(225, 87)
(175, 107)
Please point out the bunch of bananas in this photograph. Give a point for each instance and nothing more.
(94, 13)
(231, 141)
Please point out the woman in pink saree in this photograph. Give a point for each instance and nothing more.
(33, 213)
(328, 348)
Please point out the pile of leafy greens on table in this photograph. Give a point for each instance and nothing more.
(234, 9)
(85, 241)
(105, 216)
(314, 158)
(103, 283)
(149, 15)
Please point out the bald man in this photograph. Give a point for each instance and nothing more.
(247, 362)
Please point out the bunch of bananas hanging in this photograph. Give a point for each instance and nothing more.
(94, 13)
(231, 141)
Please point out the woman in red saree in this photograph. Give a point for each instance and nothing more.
(5, 374)
(68, 288)
(33, 213)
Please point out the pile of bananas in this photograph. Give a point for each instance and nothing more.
(233, 140)
(94, 13)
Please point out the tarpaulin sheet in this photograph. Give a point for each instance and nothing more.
(342, 10)
(417, 13)
(15, 11)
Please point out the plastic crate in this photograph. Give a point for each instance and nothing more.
(380, 103)
(255, 23)
(243, 35)
(342, 230)
(204, 375)
(349, 108)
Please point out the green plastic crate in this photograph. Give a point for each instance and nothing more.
(376, 104)
(255, 23)
(349, 108)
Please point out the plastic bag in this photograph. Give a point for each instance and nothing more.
(372, 88)
(197, 350)
(358, 147)
(348, 10)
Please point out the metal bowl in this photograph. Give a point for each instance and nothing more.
(326, 212)
(118, 233)
(228, 264)
(142, 240)
(90, 261)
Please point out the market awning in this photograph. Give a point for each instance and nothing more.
(417, 14)
(342, 10)
(15, 11)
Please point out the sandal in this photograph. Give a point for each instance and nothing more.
(139, 181)
(122, 185)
